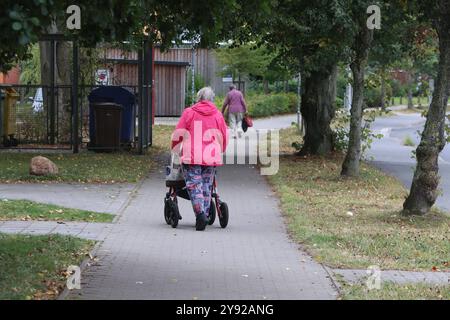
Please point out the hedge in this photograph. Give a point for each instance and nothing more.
(262, 105)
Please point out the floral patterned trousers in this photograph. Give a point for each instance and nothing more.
(199, 182)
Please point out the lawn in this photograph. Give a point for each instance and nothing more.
(391, 291)
(423, 101)
(287, 138)
(33, 267)
(89, 167)
(28, 210)
(354, 223)
(411, 111)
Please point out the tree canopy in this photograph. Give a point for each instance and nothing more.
(23, 22)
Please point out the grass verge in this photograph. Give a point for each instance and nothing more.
(391, 291)
(354, 223)
(411, 111)
(88, 167)
(33, 267)
(28, 210)
(408, 142)
(288, 137)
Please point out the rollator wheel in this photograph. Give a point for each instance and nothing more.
(223, 218)
(167, 211)
(212, 213)
(174, 214)
(171, 212)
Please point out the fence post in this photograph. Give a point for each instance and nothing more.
(140, 100)
(52, 91)
(75, 115)
(148, 83)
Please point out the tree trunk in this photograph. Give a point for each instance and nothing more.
(318, 109)
(62, 77)
(424, 186)
(410, 93)
(350, 167)
(266, 86)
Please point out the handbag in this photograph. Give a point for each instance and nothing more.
(247, 122)
(174, 172)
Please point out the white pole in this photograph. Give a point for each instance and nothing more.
(431, 85)
(348, 93)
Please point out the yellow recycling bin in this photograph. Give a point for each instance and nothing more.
(9, 97)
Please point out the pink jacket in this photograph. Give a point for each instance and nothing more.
(203, 133)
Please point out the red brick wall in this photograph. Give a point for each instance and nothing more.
(12, 77)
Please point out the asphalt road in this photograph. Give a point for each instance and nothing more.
(392, 156)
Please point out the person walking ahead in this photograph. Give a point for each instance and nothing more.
(203, 133)
(236, 109)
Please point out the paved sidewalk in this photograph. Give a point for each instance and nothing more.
(144, 258)
(99, 197)
(86, 230)
(274, 122)
(396, 276)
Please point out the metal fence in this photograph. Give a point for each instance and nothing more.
(55, 116)
(41, 120)
(38, 118)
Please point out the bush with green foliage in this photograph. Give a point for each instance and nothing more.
(372, 97)
(339, 103)
(398, 89)
(199, 83)
(272, 104)
(341, 131)
(265, 105)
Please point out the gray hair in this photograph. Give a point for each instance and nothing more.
(205, 93)
(232, 86)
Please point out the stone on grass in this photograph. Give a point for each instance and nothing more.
(41, 166)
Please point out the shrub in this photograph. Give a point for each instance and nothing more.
(273, 104)
(341, 131)
(372, 96)
(199, 83)
(408, 142)
(339, 103)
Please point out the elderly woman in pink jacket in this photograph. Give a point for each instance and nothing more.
(203, 133)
